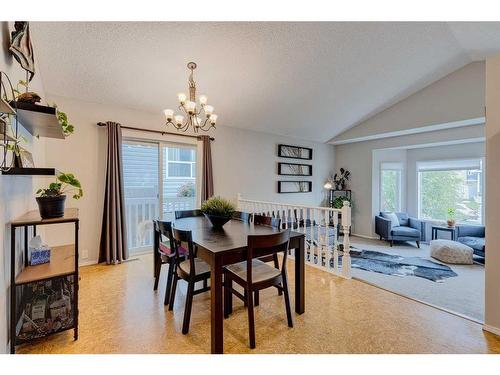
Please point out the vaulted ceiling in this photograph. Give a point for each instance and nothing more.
(308, 80)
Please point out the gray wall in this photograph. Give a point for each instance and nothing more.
(456, 97)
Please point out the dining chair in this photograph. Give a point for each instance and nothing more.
(270, 222)
(253, 275)
(164, 254)
(187, 213)
(192, 270)
(242, 216)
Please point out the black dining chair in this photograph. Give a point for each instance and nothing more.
(164, 254)
(274, 223)
(187, 213)
(254, 275)
(192, 270)
(242, 216)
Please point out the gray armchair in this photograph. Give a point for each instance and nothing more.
(409, 229)
(472, 236)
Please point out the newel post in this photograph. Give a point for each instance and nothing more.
(346, 226)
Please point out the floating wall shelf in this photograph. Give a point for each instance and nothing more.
(31, 172)
(38, 119)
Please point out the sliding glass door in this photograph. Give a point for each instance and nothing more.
(159, 178)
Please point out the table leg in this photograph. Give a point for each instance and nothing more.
(217, 329)
(300, 282)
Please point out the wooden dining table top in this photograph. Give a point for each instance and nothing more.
(233, 235)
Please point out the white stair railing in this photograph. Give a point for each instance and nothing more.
(322, 227)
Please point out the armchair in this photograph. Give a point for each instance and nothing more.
(472, 236)
(409, 229)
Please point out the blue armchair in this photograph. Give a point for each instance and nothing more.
(472, 236)
(409, 229)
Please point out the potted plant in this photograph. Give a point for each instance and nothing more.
(451, 218)
(218, 210)
(51, 200)
(338, 202)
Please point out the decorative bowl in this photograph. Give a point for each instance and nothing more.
(217, 221)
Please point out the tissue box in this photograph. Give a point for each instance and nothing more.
(40, 255)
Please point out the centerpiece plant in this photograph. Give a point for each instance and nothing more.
(51, 200)
(218, 210)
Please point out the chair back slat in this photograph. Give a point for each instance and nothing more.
(264, 245)
(184, 236)
(242, 216)
(266, 220)
(162, 229)
(187, 213)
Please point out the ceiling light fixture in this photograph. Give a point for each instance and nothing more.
(199, 118)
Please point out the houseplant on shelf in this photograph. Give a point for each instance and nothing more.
(451, 218)
(218, 210)
(51, 200)
(338, 202)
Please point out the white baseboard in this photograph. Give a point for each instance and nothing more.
(88, 262)
(491, 329)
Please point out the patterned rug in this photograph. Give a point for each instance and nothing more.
(397, 265)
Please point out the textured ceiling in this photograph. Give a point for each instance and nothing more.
(307, 80)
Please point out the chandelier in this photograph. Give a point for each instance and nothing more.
(202, 117)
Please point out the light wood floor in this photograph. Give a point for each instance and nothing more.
(120, 313)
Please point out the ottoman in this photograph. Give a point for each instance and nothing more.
(451, 252)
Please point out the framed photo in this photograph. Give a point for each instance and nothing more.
(295, 152)
(25, 159)
(294, 186)
(294, 169)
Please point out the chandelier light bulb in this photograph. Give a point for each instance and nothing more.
(179, 119)
(203, 99)
(198, 121)
(213, 119)
(169, 114)
(190, 107)
(182, 97)
(208, 110)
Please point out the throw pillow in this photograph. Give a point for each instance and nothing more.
(392, 217)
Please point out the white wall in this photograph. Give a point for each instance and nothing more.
(16, 193)
(244, 162)
(458, 96)
(492, 305)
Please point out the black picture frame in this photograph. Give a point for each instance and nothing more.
(294, 166)
(295, 152)
(301, 187)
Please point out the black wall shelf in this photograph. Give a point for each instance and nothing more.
(31, 172)
(38, 119)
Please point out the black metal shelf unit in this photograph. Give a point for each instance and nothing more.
(33, 312)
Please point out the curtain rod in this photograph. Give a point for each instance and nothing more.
(157, 131)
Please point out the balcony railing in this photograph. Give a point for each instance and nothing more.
(140, 213)
(322, 226)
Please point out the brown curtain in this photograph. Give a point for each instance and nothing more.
(207, 182)
(113, 248)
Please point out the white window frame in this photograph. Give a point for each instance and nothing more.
(449, 165)
(392, 166)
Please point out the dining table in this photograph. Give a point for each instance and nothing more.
(222, 247)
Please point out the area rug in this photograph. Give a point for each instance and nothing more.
(397, 265)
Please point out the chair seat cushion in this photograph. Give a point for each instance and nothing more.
(166, 250)
(405, 232)
(260, 270)
(477, 243)
(451, 252)
(200, 266)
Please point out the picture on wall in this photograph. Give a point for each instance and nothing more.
(294, 169)
(294, 186)
(295, 152)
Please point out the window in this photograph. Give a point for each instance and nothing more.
(159, 178)
(455, 184)
(390, 186)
